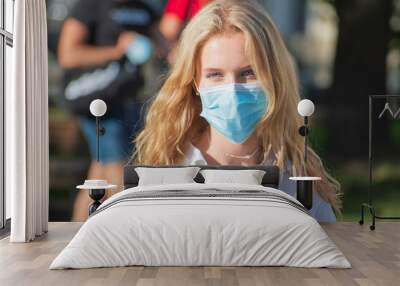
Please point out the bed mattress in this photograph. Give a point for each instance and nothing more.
(201, 225)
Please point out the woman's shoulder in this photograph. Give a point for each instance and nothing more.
(322, 210)
(193, 156)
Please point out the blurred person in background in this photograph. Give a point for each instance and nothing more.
(99, 32)
(176, 14)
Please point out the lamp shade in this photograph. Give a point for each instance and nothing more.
(305, 107)
(98, 107)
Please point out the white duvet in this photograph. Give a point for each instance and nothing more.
(206, 230)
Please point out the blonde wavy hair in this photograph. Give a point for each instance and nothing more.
(173, 119)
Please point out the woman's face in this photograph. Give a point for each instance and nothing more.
(223, 60)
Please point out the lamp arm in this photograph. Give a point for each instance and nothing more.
(305, 142)
(97, 137)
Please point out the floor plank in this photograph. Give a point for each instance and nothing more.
(374, 255)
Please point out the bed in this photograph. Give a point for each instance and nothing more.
(201, 224)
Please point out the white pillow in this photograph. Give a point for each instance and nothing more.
(162, 176)
(249, 177)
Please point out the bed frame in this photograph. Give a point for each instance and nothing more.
(270, 179)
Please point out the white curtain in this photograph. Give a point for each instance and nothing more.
(27, 144)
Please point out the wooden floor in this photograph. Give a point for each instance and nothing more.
(374, 255)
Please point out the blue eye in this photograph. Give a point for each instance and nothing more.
(248, 72)
(213, 74)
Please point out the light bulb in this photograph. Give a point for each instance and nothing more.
(305, 107)
(98, 107)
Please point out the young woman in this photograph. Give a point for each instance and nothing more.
(231, 98)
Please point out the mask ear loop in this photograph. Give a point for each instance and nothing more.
(196, 89)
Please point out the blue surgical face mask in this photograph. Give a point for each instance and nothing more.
(234, 109)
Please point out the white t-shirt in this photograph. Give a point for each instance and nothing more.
(321, 210)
